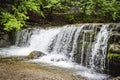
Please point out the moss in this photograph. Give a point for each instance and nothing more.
(80, 43)
(35, 54)
(114, 48)
(90, 35)
(31, 55)
(85, 44)
(114, 38)
(112, 56)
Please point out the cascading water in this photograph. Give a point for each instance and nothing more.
(65, 42)
(65, 46)
(99, 49)
(22, 37)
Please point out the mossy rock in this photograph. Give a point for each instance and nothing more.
(77, 56)
(89, 35)
(114, 48)
(35, 54)
(118, 27)
(114, 64)
(116, 78)
(85, 44)
(113, 27)
(114, 38)
(113, 57)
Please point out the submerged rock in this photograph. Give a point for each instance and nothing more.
(35, 54)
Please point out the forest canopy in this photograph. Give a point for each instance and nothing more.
(15, 13)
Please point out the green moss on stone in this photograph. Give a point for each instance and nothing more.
(35, 54)
(112, 56)
(114, 48)
(90, 35)
(114, 38)
(85, 44)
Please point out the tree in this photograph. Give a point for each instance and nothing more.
(104, 8)
(14, 13)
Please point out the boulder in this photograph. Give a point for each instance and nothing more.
(35, 54)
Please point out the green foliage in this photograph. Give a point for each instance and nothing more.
(14, 13)
(16, 16)
(70, 18)
(32, 5)
(104, 8)
(11, 22)
(52, 3)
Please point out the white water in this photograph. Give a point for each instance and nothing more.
(77, 33)
(97, 57)
(62, 44)
(40, 41)
(82, 51)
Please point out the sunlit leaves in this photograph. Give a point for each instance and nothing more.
(15, 18)
(10, 22)
(104, 8)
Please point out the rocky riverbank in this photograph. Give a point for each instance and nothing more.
(15, 69)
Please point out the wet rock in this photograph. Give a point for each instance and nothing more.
(3, 43)
(113, 58)
(114, 38)
(114, 48)
(4, 40)
(35, 54)
(114, 67)
(116, 78)
(118, 28)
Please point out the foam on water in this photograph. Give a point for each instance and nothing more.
(41, 40)
(56, 60)
(64, 62)
(15, 51)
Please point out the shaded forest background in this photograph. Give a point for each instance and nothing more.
(15, 14)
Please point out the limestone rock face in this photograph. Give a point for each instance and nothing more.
(35, 54)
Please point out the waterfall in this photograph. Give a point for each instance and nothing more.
(65, 42)
(85, 45)
(75, 41)
(99, 49)
(22, 37)
(40, 40)
(82, 51)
